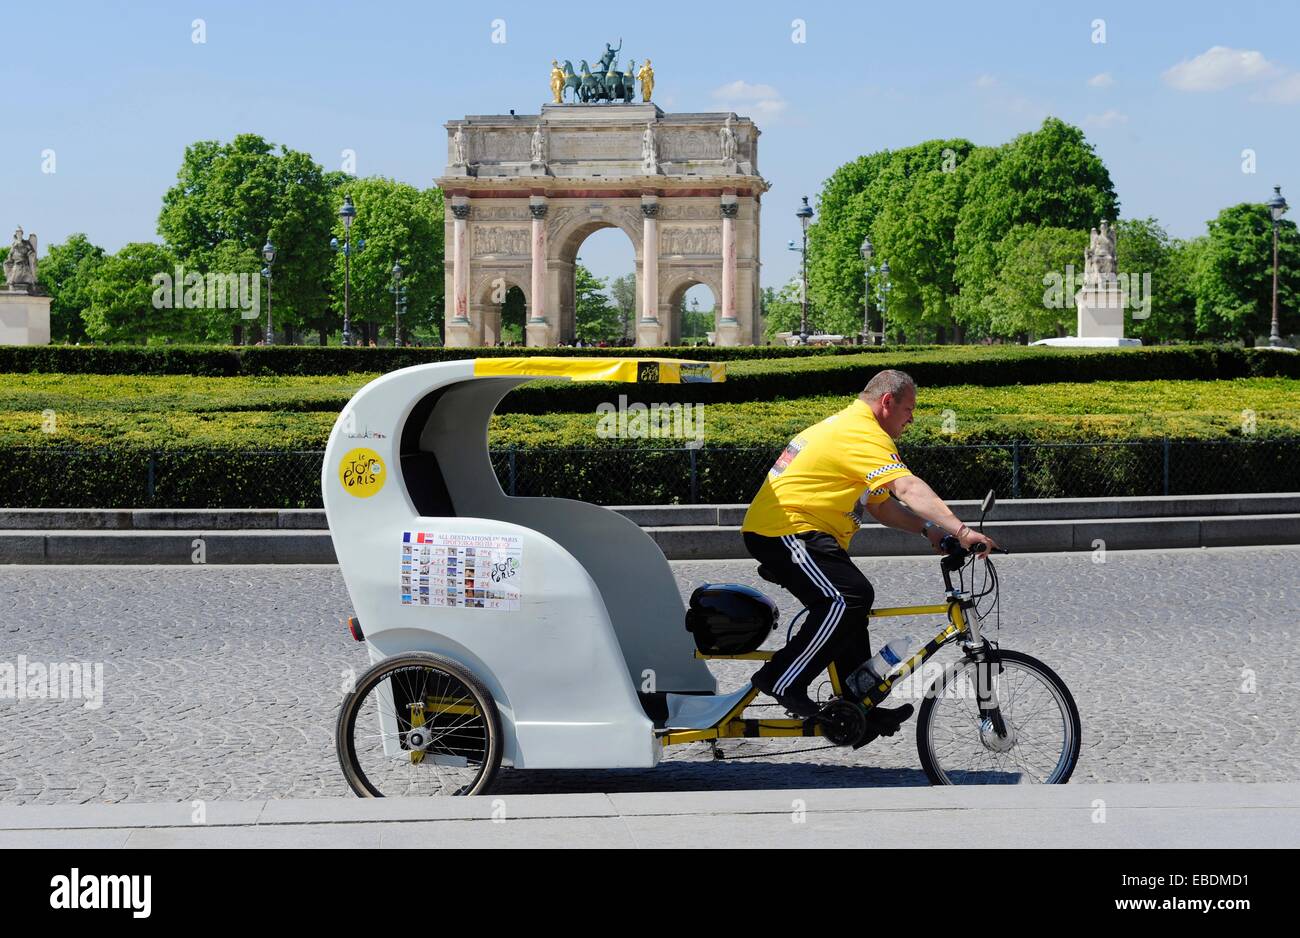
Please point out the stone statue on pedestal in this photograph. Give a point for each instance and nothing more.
(458, 148)
(538, 148)
(649, 157)
(20, 265)
(1099, 260)
(728, 140)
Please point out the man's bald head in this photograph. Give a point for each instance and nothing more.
(889, 381)
(891, 395)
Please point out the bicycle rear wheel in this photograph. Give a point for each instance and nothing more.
(419, 724)
(960, 745)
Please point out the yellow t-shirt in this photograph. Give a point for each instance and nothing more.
(819, 477)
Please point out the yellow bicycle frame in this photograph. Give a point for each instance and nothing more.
(734, 726)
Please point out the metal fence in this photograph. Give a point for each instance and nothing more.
(60, 477)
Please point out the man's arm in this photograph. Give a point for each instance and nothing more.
(894, 514)
(924, 505)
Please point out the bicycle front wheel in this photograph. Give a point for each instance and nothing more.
(1036, 741)
(419, 724)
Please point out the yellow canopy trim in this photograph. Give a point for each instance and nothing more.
(634, 370)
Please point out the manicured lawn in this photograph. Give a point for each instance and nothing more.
(298, 412)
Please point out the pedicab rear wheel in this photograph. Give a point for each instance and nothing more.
(418, 725)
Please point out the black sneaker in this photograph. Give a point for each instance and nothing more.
(884, 721)
(796, 702)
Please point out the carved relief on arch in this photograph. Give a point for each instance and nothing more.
(690, 239)
(501, 239)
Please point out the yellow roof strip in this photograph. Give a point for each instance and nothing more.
(633, 370)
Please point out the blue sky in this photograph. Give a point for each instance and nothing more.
(117, 90)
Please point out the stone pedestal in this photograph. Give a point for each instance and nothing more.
(649, 334)
(539, 335)
(1100, 313)
(1100, 320)
(459, 334)
(728, 333)
(24, 318)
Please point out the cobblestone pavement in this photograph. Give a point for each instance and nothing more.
(224, 682)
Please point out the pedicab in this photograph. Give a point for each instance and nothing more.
(549, 633)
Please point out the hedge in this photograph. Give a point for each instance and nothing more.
(770, 371)
(225, 361)
(121, 477)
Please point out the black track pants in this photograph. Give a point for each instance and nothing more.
(820, 574)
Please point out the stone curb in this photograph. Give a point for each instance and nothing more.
(678, 542)
(650, 516)
(1135, 815)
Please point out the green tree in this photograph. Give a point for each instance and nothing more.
(1029, 296)
(781, 309)
(1051, 177)
(67, 272)
(1234, 280)
(596, 317)
(1147, 258)
(125, 302)
(399, 224)
(1175, 292)
(696, 323)
(513, 312)
(230, 198)
(623, 289)
(908, 205)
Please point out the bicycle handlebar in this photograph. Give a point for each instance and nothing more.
(958, 555)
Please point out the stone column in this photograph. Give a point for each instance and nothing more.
(728, 328)
(648, 330)
(537, 330)
(458, 328)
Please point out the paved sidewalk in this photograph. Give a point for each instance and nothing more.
(1125, 815)
(223, 683)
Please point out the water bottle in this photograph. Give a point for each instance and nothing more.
(878, 668)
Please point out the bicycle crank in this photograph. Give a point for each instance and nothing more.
(843, 723)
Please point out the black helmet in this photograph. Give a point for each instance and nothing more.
(730, 619)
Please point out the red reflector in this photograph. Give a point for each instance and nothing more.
(354, 626)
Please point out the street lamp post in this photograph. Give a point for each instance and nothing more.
(347, 213)
(695, 311)
(883, 296)
(268, 254)
(1276, 207)
(804, 214)
(399, 304)
(866, 250)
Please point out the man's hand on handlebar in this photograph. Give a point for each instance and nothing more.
(969, 539)
(976, 542)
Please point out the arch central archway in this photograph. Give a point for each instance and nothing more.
(563, 269)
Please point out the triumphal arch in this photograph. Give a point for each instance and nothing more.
(523, 191)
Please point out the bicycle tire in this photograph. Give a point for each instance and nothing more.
(1065, 767)
(345, 731)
